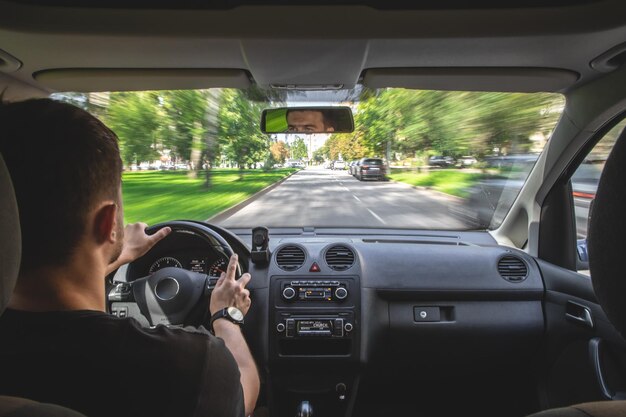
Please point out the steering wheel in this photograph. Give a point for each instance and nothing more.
(176, 296)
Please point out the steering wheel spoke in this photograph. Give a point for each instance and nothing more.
(169, 295)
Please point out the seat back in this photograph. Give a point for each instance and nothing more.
(10, 253)
(11, 241)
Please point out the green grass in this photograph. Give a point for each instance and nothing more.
(157, 196)
(453, 182)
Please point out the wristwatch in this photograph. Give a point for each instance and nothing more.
(229, 313)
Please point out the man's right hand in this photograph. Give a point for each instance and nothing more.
(231, 292)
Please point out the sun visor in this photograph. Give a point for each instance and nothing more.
(96, 79)
(521, 80)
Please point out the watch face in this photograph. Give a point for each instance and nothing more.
(235, 313)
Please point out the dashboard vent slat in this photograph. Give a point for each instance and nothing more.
(339, 258)
(512, 269)
(290, 258)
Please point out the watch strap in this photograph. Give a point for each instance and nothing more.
(223, 314)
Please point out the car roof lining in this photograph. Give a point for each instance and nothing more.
(300, 45)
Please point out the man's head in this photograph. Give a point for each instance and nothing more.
(66, 170)
(309, 121)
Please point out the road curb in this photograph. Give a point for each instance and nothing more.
(422, 188)
(226, 213)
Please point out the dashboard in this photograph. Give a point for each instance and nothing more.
(181, 250)
(338, 305)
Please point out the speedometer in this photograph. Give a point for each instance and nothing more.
(164, 263)
(218, 267)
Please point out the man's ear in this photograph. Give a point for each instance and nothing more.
(105, 223)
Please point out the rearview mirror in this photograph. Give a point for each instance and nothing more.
(307, 120)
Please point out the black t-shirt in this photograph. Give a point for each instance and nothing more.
(101, 365)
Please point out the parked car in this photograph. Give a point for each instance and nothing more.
(369, 168)
(466, 161)
(339, 165)
(441, 161)
(352, 167)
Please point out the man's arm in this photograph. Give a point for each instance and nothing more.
(230, 292)
(235, 342)
(136, 244)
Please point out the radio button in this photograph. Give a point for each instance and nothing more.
(280, 327)
(291, 328)
(289, 293)
(348, 327)
(341, 293)
(338, 328)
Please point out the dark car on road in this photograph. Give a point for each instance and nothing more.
(441, 161)
(370, 168)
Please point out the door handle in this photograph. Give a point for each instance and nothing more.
(579, 314)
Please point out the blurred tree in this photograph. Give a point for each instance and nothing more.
(279, 151)
(187, 117)
(421, 123)
(298, 149)
(239, 130)
(136, 118)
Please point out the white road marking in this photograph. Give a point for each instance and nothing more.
(356, 198)
(377, 217)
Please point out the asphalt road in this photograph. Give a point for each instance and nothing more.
(324, 198)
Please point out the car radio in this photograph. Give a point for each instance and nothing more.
(314, 327)
(314, 291)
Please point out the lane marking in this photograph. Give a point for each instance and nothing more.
(377, 217)
(356, 198)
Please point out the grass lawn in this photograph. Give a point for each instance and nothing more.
(157, 196)
(453, 182)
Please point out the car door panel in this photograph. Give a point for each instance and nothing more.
(585, 356)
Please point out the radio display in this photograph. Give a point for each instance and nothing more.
(315, 293)
(315, 326)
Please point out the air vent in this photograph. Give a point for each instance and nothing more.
(290, 258)
(339, 258)
(513, 269)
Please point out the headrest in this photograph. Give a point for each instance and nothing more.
(607, 237)
(11, 239)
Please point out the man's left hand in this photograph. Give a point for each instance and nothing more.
(136, 244)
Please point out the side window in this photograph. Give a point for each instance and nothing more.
(585, 183)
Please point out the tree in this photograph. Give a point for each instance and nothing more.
(187, 113)
(136, 118)
(279, 151)
(239, 130)
(299, 149)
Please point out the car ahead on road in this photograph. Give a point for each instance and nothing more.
(351, 167)
(339, 165)
(370, 168)
(466, 161)
(388, 306)
(441, 161)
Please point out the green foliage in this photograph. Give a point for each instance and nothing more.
(186, 112)
(417, 124)
(136, 118)
(299, 149)
(239, 130)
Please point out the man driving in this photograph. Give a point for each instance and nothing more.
(309, 121)
(58, 343)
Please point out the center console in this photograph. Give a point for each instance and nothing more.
(314, 328)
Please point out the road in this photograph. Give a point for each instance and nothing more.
(324, 198)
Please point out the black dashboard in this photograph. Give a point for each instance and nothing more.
(341, 305)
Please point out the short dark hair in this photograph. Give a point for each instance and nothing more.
(62, 162)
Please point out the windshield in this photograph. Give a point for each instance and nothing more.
(416, 159)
